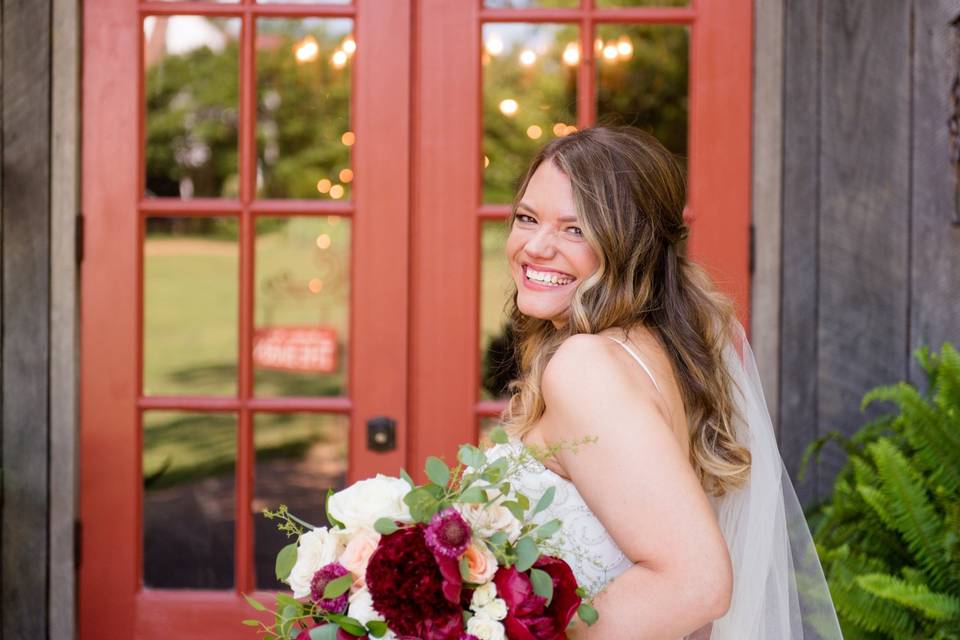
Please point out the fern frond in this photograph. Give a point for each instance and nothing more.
(857, 608)
(912, 512)
(936, 606)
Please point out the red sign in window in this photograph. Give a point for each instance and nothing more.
(296, 348)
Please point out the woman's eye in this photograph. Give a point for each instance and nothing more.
(521, 217)
(577, 231)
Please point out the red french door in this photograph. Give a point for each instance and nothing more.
(293, 240)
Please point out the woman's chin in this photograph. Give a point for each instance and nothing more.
(539, 311)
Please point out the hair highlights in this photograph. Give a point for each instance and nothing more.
(629, 194)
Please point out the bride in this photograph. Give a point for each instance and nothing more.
(679, 512)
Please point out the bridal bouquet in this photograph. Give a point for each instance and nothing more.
(458, 558)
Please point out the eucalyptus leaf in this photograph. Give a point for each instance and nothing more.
(498, 538)
(338, 587)
(547, 529)
(499, 436)
(545, 500)
(474, 495)
(351, 625)
(464, 568)
(495, 471)
(285, 561)
(471, 456)
(437, 471)
(523, 500)
(385, 526)
(588, 614)
(286, 600)
(377, 628)
(422, 504)
(251, 623)
(256, 604)
(514, 507)
(527, 554)
(326, 632)
(542, 584)
(407, 478)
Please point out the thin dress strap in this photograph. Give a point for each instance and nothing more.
(637, 358)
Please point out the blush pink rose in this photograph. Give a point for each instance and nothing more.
(356, 555)
(481, 563)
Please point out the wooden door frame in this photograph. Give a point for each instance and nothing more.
(112, 601)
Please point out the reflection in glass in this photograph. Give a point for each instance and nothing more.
(299, 456)
(190, 82)
(301, 306)
(529, 97)
(603, 4)
(496, 286)
(526, 4)
(190, 306)
(303, 108)
(188, 499)
(642, 73)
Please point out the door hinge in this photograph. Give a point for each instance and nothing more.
(79, 236)
(753, 249)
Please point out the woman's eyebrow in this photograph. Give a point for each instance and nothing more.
(523, 205)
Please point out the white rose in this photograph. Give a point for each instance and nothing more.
(483, 596)
(364, 502)
(315, 550)
(495, 610)
(486, 520)
(485, 629)
(361, 609)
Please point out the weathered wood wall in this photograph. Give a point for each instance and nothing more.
(870, 254)
(39, 186)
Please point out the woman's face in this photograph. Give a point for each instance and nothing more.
(546, 249)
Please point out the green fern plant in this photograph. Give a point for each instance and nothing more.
(889, 536)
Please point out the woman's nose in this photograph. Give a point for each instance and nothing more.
(541, 244)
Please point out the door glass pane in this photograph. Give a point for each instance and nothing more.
(529, 97)
(303, 108)
(497, 364)
(526, 4)
(299, 456)
(188, 499)
(302, 306)
(190, 79)
(642, 80)
(604, 4)
(190, 284)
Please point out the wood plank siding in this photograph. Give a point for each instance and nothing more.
(870, 256)
(39, 188)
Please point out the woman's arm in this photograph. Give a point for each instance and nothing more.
(638, 482)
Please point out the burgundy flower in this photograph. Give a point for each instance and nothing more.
(528, 617)
(408, 587)
(448, 534)
(323, 577)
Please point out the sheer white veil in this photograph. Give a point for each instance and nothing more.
(779, 590)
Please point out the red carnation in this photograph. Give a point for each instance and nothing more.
(407, 588)
(528, 617)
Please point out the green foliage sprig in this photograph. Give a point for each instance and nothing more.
(890, 535)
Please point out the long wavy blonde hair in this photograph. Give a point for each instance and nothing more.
(629, 193)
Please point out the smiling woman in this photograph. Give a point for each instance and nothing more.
(546, 249)
(603, 285)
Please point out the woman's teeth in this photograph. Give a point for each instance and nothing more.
(550, 279)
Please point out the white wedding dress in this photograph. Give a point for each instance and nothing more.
(779, 589)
